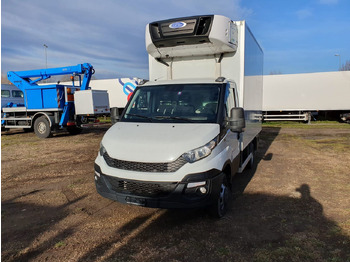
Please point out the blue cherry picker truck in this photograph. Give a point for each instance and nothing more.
(50, 108)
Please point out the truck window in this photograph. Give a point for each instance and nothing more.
(17, 93)
(174, 103)
(5, 93)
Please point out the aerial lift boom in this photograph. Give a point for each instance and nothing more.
(22, 79)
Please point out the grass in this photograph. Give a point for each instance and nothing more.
(337, 145)
(104, 119)
(322, 142)
(60, 244)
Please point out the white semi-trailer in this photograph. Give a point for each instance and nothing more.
(295, 96)
(184, 134)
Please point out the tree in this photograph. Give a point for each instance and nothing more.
(4, 79)
(346, 66)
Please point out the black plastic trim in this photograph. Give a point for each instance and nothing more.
(178, 198)
(201, 176)
(196, 31)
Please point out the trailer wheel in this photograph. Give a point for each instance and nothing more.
(42, 127)
(221, 205)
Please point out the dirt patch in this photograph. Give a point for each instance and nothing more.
(293, 206)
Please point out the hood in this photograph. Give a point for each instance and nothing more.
(156, 142)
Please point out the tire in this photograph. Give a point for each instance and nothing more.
(42, 127)
(223, 201)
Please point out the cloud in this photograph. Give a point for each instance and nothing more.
(110, 35)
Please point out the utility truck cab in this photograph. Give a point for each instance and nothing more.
(184, 134)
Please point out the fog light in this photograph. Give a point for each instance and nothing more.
(203, 190)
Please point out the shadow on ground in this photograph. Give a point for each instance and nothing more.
(23, 223)
(267, 136)
(260, 227)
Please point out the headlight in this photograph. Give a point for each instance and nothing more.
(201, 152)
(102, 149)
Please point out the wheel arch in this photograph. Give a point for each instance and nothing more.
(230, 168)
(49, 117)
(227, 170)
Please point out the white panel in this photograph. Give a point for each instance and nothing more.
(193, 68)
(90, 102)
(118, 89)
(157, 70)
(304, 92)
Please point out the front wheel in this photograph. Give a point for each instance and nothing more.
(222, 203)
(42, 127)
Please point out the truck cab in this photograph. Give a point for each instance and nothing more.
(11, 94)
(180, 140)
(178, 148)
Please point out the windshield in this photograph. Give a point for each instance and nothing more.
(185, 103)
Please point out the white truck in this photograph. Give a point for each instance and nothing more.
(184, 134)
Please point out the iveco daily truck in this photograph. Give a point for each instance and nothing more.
(184, 134)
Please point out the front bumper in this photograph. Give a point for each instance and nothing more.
(161, 194)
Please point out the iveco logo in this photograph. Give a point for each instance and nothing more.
(177, 25)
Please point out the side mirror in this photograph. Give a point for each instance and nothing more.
(236, 121)
(114, 115)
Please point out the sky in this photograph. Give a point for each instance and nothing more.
(299, 36)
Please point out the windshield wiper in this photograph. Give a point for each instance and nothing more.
(174, 117)
(141, 116)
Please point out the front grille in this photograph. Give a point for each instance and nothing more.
(144, 167)
(140, 188)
